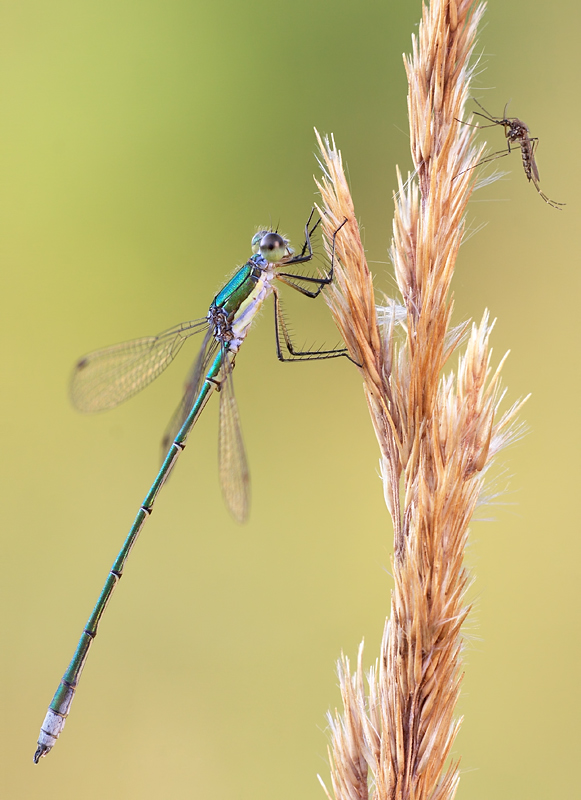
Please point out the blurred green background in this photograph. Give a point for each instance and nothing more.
(141, 146)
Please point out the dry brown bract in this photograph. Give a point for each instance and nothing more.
(437, 435)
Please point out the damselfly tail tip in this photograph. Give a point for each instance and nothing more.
(41, 751)
(50, 731)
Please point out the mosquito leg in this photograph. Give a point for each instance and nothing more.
(491, 157)
(472, 125)
(552, 203)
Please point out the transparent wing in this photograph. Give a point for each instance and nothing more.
(191, 390)
(107, 377)
(534, 168)
(234, 475)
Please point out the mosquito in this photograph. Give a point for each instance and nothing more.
(518, 135)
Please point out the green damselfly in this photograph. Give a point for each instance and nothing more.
(105, 378)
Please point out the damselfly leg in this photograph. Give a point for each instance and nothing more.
(290, 279)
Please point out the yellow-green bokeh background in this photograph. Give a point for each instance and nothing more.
(141, 145)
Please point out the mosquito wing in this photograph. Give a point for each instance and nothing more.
(534, 168)
(105, 378)
(234, 475)
(191, 390)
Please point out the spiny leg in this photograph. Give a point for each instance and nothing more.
(299, 355)
(279, 322)
(307, 244)
(304, 255)
(320, 282)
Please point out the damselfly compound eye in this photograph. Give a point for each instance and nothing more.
(255, 244)
(273, 247)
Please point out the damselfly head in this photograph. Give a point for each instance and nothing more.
(272, 246)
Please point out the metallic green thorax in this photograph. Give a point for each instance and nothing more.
(239, 287)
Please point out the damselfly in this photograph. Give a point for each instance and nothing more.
(105, 378)
(517, 134)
